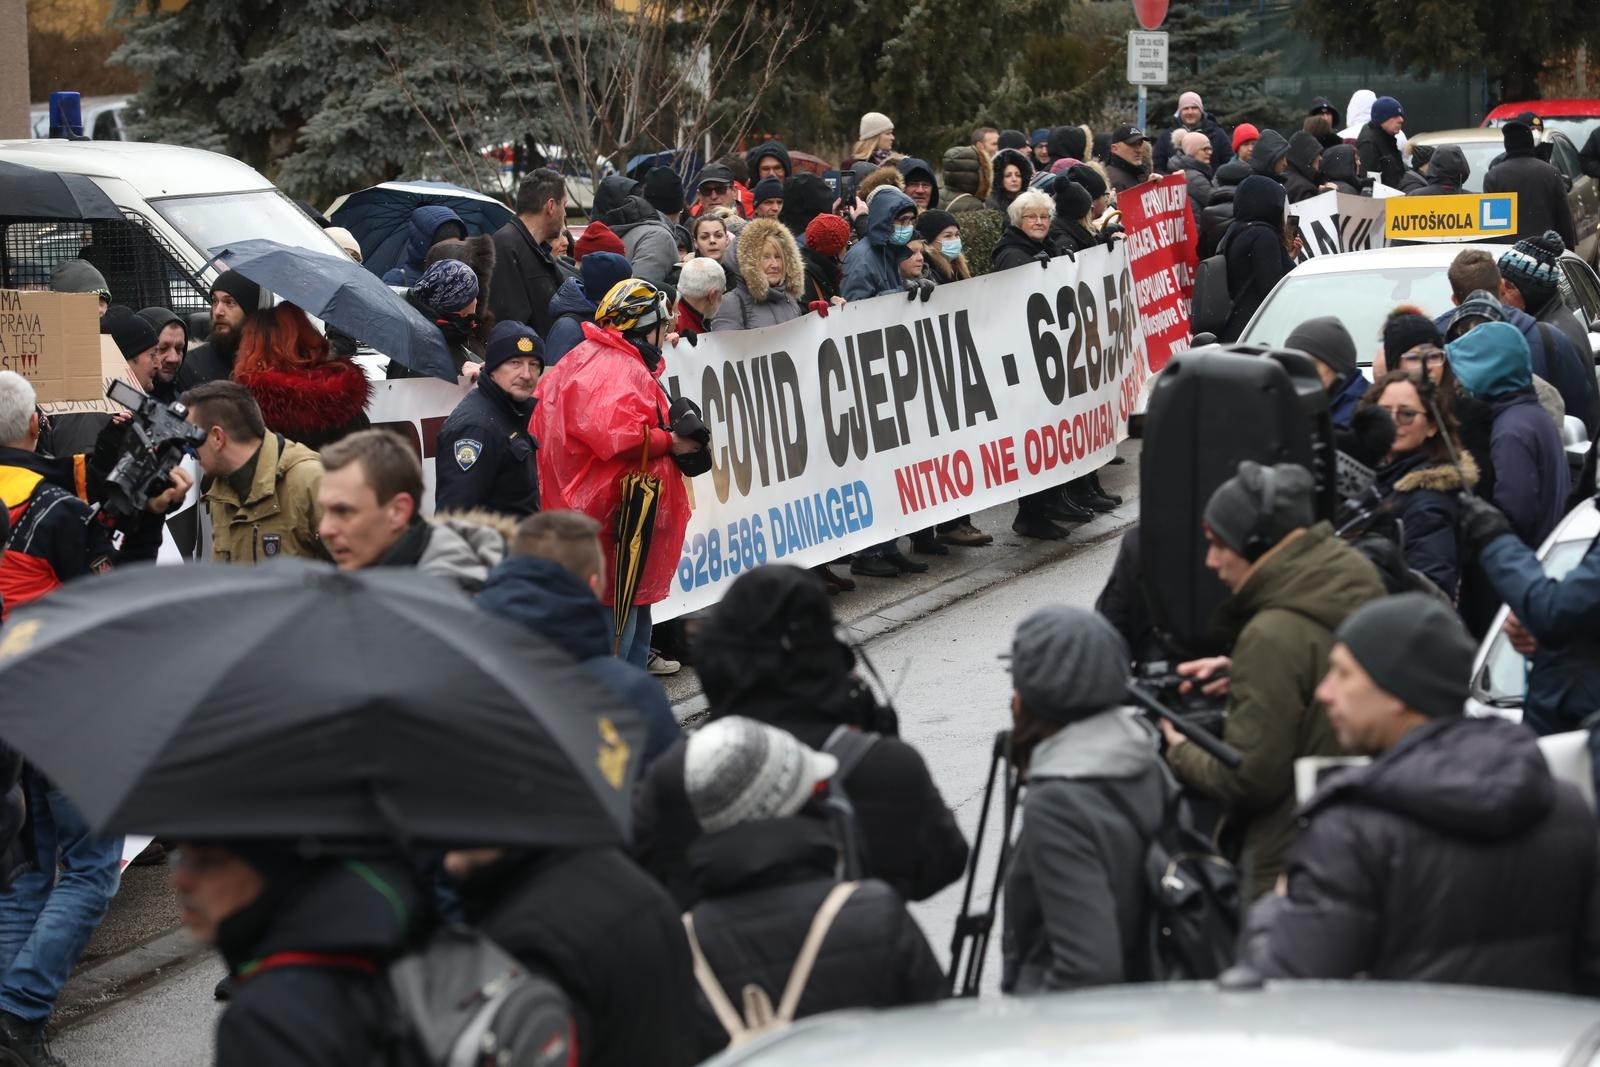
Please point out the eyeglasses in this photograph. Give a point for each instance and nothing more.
(714, 188)
(1402, 416)
(1035, 216)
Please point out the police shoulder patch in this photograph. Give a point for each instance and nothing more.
(467, 452)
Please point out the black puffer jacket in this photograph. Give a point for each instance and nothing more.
(1253, 245)
(1017, 249)
(1300, 178)
(1454, 857)
(1542, 202)
(608, 935)
(1218, 213)
(1339, 167)
(1422, 494)
(1447, 173)
(319, 1016)
(760, 886)
(1380, 154)
(908, 836)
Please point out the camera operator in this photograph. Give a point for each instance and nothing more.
(55, 534)
(1293, 583)
(261, 489)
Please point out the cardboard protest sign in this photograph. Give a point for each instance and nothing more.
(1163, 243)
(53, 340)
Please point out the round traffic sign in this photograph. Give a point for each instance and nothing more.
(1151, 13)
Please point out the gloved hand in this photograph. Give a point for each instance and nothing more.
(916, 287)
(820, 307)
(1481, 521)
(1043, 259)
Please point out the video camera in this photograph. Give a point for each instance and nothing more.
(154, 441)
(686, 420)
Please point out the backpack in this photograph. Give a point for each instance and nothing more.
(759, 1018)
(459, 1000)
(1194, 897)
(1212, 303)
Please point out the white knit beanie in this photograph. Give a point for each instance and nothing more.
(874, 124)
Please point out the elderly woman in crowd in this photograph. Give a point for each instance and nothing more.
(700, 289)
(771, 279)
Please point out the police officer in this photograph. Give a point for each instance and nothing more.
(486, 456)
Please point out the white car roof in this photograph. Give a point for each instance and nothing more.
(152, 170)
(1438, 256)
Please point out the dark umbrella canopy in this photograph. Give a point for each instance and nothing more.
(341, 292)
(31, 193)
(292, 700)
(380, 217)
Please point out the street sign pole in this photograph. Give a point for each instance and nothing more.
(1147, 64)
(1144, 96)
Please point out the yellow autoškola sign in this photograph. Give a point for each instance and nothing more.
(1411, 218)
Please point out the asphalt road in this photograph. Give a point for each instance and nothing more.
(935, 642)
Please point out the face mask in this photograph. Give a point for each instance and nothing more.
(902, 235)
(951, 249)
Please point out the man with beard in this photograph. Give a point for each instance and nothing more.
(234, 298)
(172, 345)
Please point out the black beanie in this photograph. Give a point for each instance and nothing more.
(1073, 201)
(1326, 340)
(242, 289)
(1068, 142)
(1014, 139)
(1518, 139)
(931, 223)
(1416, 650)
(133, 335)
(1238, 514)
(663, 190)
(1405, 330)
(1089, 178)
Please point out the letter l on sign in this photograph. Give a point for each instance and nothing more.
(1495, 214)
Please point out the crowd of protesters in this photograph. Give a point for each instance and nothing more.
(744, 881)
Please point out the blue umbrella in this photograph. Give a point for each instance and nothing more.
(337, 290)
(380, 217)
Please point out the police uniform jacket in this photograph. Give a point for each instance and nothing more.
(486, 457)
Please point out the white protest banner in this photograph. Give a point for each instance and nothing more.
(415, 408)
(1337, 222)
(834, 434)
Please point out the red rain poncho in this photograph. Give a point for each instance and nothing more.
(593, 409)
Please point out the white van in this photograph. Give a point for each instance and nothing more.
(177, 205)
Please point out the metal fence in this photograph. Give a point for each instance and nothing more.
(141, 269)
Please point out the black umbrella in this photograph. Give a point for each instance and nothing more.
(31, 193)
(293, 700)
(345, 295)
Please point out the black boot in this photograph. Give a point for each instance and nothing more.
(1059, 505)
(1079, 492)
(874, 567)
(834, 583)
(1094, 483)
(926, 543)
(903, 563)
(22, 1042)
(1037, 527)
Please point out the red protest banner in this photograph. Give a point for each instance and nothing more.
(1163, 254)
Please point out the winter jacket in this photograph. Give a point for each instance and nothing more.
(760, 885)
(304, 1013)
(315, 405)
(1556, 313)
(202, 363)
(752, 303)
(1017, 249)
(1216, 133)
(53, 536)
(423, 234)
(1380, 154)
(824, 275)
(647, 237)
(1270, 148)
(999, 199)
(1122, 599)
(1339, 167)
(526, 276)
(1541, 195)
(1448, 172)
(1217, 215)
(279, 513)
(1342, 403)
(594, 412)
(1067, 237)
(570, 308)
(561, 608)
(484, 457)
(1281, 622)
(1531, 479)
(459, 336)
(1421, 493)
(1124, 175)
(1076, 907)
(1453, 857)
(460, 548)
(963, 166)
(1563, 615)
(805, 196)
(1300, 178)
(1253, 247)
(608, 935)
(1552, 359)
(1200, 178)
(872, 265)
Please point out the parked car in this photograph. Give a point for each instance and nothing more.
(1483, 145)
(1308, 1024)
(1575, 118)
(102, 118)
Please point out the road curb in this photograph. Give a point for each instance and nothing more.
(1011, 564)
(102, 984)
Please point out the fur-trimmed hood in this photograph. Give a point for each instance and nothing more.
(315, 405)
(1440, 477)
(751, 242)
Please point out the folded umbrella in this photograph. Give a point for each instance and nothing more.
(636, 524)
(380, 216)
(342, 293)
(31, 193)
(293, 700)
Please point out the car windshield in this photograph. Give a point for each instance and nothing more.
(1479, 155)
(211, 222)
(1361, 300)
(1505, 673)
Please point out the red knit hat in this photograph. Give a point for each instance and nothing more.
(598, 238)
(827, 235)
(1243, 134)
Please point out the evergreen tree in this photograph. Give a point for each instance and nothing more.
(1210, 54)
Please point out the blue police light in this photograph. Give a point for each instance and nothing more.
(66, 116)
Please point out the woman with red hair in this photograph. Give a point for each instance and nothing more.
(306, 393)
